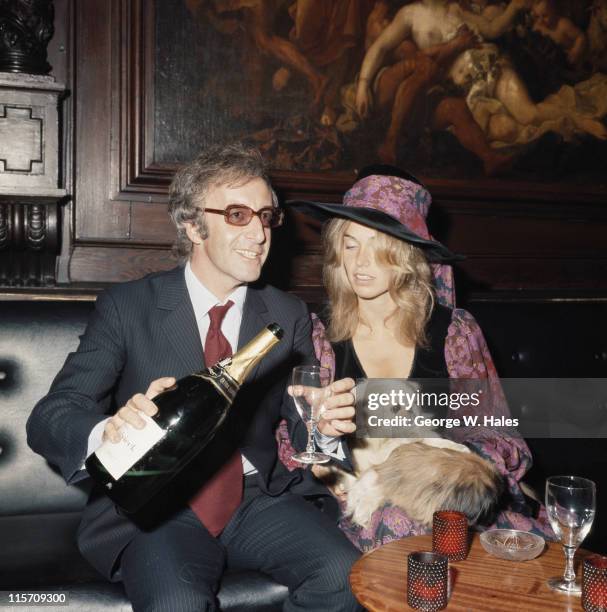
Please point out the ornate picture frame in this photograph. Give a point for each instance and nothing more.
(198, 72)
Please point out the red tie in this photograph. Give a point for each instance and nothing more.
(219, 497)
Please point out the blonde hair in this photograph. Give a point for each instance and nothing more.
(410, 286)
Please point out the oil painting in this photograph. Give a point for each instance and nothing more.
(449, 89)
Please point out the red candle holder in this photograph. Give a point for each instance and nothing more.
(450, 534)
(594, 584)
(427, 581)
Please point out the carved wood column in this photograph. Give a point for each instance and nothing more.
(29, 243)
(30, 156)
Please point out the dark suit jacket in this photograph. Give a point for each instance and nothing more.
(146, 329)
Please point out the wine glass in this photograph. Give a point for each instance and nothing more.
(570, 503)
(310, 389)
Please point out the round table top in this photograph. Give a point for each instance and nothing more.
(480, 582)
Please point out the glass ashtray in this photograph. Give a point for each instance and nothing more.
(512, 544)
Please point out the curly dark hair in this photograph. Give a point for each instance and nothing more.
(230, 164)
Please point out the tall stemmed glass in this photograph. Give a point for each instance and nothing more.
(310, 390)
(571, 504)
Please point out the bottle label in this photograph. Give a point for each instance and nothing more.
(119, 457)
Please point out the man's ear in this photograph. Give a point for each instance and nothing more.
(192, 232)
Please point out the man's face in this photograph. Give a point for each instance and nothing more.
(231, 255)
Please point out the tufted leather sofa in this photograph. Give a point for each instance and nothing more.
(39, 513)
(555, 339)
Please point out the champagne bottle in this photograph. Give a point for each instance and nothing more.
(189, 414)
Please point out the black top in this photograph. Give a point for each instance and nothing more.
(428, 362)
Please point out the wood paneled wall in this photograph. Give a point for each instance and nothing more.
(516, 239)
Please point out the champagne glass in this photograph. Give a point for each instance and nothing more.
(310, 389)
(571, 504)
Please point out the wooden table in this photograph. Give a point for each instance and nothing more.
(481, 582)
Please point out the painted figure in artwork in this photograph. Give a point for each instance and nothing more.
(561, 30)
(256, 19)
(495, 94)
(452, 88)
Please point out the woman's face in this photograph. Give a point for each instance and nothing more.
(368, 278)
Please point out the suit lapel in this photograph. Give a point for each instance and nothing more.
(180, 327)
(179, 323)
(255, 316)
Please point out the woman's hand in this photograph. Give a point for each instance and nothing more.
(338, 411)
(466, 38)
(364, 98)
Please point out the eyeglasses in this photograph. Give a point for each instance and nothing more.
(239, 214)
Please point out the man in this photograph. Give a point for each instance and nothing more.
(161, 325)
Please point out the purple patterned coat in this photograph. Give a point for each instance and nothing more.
(467, 356)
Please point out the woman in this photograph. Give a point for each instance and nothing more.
(391, 316)
(406, 75)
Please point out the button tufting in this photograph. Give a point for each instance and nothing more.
(2, 375)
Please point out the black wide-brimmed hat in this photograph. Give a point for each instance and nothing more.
(392, 204)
